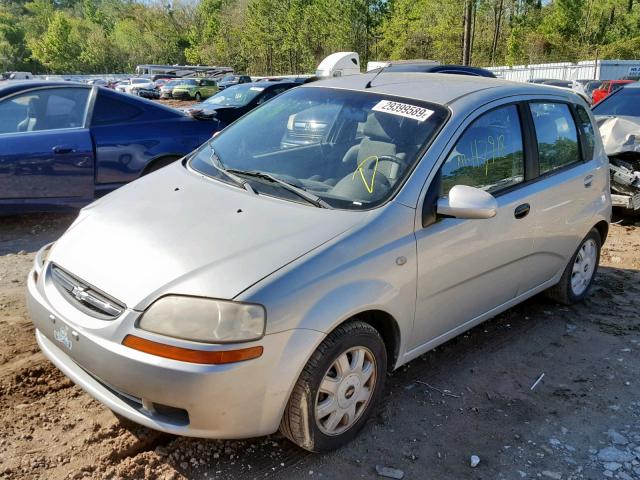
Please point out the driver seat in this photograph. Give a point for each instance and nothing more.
(29, 123)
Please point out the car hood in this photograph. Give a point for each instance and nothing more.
(176, 231)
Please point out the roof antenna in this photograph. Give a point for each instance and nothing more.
(368, 85)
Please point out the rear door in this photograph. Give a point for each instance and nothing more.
(45, 146)
(569, 184)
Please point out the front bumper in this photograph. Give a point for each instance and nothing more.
(236, 400)
(181, 95)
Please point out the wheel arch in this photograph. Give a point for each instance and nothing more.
(387, 327)
(160, 161)
(603, 229)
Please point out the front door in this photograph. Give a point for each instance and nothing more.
(45, 148)
(467, 268)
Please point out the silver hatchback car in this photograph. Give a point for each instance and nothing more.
(263, 284)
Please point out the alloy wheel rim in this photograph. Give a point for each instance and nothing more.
(345, 391)
(584, 266)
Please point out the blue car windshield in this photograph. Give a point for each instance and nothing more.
(625, 101)
(352, 150)
(235, 96)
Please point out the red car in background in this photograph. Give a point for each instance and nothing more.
(608, 87)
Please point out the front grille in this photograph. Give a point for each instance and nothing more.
(84, 297)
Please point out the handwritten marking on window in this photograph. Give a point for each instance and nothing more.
(493, 149)
(360, 169)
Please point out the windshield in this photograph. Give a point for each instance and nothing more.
(350, 149)
(229, 78)
(625, 101)
(187, 82)
(235, 96)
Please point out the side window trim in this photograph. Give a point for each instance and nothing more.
(531, 159)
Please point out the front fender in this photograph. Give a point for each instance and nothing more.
(370, 268)
(347, 301)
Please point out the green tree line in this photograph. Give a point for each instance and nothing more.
(293, 36)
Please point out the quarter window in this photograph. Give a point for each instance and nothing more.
(587, 132)
(45, 109)
(108, 110)
(488, 155)
(556, 134)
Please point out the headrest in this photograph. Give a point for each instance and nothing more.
(382, 126)
(33, 106)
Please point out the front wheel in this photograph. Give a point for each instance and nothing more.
(578, 276)
(198, 96)
(338, 389)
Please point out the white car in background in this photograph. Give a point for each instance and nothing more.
(134, 84)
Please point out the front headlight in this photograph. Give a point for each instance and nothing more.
(204, 320)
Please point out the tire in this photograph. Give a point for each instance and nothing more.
(354, 397)
(574, 285)
(198, 96)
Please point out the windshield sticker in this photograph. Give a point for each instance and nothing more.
(256, 89)
(371, 184)
(403, 109)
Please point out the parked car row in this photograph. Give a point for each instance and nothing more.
(592, 91)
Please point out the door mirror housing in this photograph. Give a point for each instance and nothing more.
(467, 202)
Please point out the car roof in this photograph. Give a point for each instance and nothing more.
(11, 86)
(439, 88)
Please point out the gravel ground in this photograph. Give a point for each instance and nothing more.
(471, 396)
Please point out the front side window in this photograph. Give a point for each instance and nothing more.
(488, 155)
(369, 144)
(45, 109)
(556, 134)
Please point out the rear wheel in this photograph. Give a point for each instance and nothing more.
(578, 276)
(337, 390)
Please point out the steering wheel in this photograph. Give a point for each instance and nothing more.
(389, 158)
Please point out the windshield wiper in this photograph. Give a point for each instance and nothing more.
(301, 192)
(217, 163)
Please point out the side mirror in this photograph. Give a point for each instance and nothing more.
(467, 202)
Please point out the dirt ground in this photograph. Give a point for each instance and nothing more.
(471, 396)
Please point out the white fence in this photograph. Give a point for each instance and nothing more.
(588, 69)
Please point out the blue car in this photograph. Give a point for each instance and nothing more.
(64, 144)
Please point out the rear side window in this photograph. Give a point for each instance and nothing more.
(109, 110)
(488, 155)
(556, 134)
(587, 133)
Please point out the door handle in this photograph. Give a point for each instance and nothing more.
(522, 211)
(588, 181)
(63, 149)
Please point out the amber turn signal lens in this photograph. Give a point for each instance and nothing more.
(189, 355)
